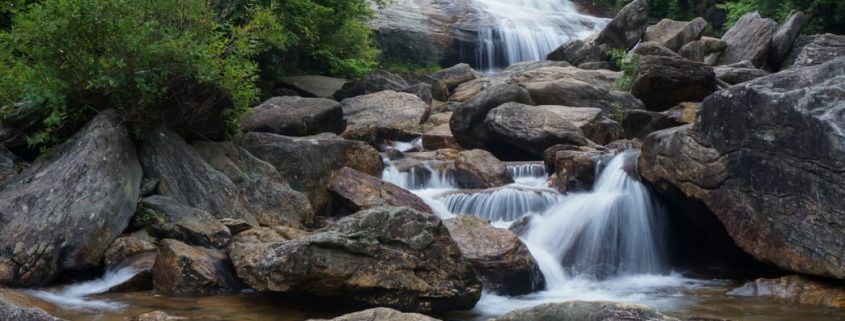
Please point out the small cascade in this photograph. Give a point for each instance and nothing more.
(529, 174)
(507, 203)
(613, 230)
(511, 31)
(76, 296)
(416, 178)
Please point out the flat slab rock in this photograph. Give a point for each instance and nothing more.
(358, 191)
(295, 116)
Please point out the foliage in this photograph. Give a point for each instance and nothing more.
(823, 15)
(628, 63)
(147, 218)
(404, 68)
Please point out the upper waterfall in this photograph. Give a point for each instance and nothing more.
(511, 31)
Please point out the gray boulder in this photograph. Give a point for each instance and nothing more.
(184, 223)
(467, 121)
(63, 212)
(181, 269)
(530, 129)
(663, 82)
(822, 49)
(295, 116)
(573, 92)
(577, 52)
(10, 164)
(784, 37)
(701, 48)
(626, 29)
(675, 34)
(383, 115)
(373, 82)
(749, 39)
(455, 75)
(652, 48)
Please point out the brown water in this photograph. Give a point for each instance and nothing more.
(705, 301)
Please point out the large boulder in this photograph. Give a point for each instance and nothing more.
(784, 37)
(385, 256)
(467, 122)
(675, 34)
(295, 116)
(748, 39)
(577, 52)
(381, 314)
(355, 191)
(439, 137)
(822, 49)
(738, 73)
(171, 220)
(62, 213)
(640, 123)
(520, 128)
(181, 269)
(502, 261)
(307, 163)
(767, 157)
(583, 310)
(795, 288)
(455, 75)
(626, 29)
(652, 48)
(383, 115)
(373, 82)
(314, 85)
(126, 246)
(663, 82)
(701, 48)
(599, 78)
(573, 92)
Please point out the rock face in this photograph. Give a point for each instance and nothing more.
(385, 256)
(356, 191)
(381, 314)
(373, 82)
(184, 223)
(296, 116)
(467, 122)
(530, 129)
(778, 190)
(307, 163)
(582, 310)
(626, 29)
(675, 34)
(502, 261)
(386, 114)
(748, 39)
(797, 289)
(573, 92)
(314, 86)
(784, 37)
(822, 49)
(181, 269)
(63, 212)
(663, 82)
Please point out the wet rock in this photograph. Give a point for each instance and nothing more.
(572, 92)
(295, 116)
(467, 122)
(663, 82)
(184, 223)
(699, 49)
(822, 49)
(423, 91)
(598, 78)
(381, 314)
(777, 190)
(265, 192)
(355, 191)
(181, 269)
(626, 29)
(501, 260)
(142, 264)
(13, 311)
(307, 163)
(468, 169)
(156, 316)
(439, 137)
(63, 212)
(392, 257)
(373, 82)
(127, 246)
(455, 75)
(584, 310)
(784, 37)
(384, 115)
(675, 34)
(733, 74)
(575, 167)
(796, 289)
(651, 48)
(314, 86)
(640, 123)
(748, 39)
(532, 129)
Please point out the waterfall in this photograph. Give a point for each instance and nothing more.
(75, 296)
(511, 31)
(529, 174)
(507, 203)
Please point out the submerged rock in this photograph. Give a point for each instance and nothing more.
(356, 191)
(699, 49)
(502, 261)
(181, 269)
(797, 289)
(63, 212)
(296, 116)
(583, 310)
(385, 256)
(778, 190)
(381, 314)
(439, 137)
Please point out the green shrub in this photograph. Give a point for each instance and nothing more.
(67, 59)
(822, 15)
(628, 63)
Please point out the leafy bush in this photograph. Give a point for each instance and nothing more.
(67, 59)
(823, 15)
(628, 63)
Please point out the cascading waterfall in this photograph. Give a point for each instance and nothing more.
(507, 203)
(76, 296)
(511, 31)
(529, 174)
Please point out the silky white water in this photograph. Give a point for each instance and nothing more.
(511, 31)
(76, 296)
